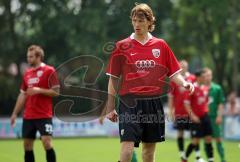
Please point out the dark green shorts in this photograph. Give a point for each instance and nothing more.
(216, 129)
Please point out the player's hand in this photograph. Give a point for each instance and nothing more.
(33, 91)
(219, 120)
(101, 119)
(195, 119)
(112, 116)
(189, 86)
(13, 120)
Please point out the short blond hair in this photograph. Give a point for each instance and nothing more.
(38, 51)
(206, 69)
(142, 10)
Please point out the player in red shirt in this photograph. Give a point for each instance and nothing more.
(137, 69)
(39, 85)
(177, 110)
(197, 107)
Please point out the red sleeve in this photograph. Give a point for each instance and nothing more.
(192, 78)
(171, 61)
(114, 65)
(23, 87)
(53, 79)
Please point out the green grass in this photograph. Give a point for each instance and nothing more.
(101, 150)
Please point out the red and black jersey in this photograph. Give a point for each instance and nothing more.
(39, 106)
(143, 67)
(198, 100)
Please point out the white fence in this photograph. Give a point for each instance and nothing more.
(93, 128)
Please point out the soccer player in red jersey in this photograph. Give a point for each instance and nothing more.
(39, 85)
(138, 67)
(197, 107)
(177, 110)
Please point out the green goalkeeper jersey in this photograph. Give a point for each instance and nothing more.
(216, 97)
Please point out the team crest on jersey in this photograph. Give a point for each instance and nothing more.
(156, 52)
(39, 73)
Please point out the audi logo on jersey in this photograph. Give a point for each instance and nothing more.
(33, 81)
(145, 63)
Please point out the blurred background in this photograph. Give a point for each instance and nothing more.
(205, 33)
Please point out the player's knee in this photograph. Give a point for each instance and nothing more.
(208, 139)
(147, 154)
(127, 150)
(180, 133)
(129, 153)
(148, 151)
(47, 144)
(28, 145)
(218, 140)
(195, 141)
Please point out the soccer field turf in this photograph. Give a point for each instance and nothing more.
(102, 150)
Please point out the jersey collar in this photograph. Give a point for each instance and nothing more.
(41, 65)
(149, 38)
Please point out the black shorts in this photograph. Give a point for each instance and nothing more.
(182, 123)
(31, 126)
(143, 123)
(201, 129)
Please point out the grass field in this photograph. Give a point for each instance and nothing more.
(101, 150)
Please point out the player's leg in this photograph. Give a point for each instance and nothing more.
(44, 126)
(207, 131)
(197, 152)
(29, 135)
(220, 149)
(47, 144)
(191, 147)
(183, 124)
(148, 152)
(209, 148)
(180, 142)
(129, 132)
(126, 151)
(153, 128)
(217, 133)
(28, 150)
(195, 129)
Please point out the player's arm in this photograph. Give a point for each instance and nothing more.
(18, 107)
(174, 70)
(187, 105)
(220, 110)
(113, 85)
(170, 105)
(188, 108)
(53, 88)
(220, 113)
(114, 71)
(52, 92)
(179, 80)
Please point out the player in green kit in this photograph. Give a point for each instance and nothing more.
(216, 107)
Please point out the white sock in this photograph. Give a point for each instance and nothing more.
(182, 154)
(197, 154)
(210, 159)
